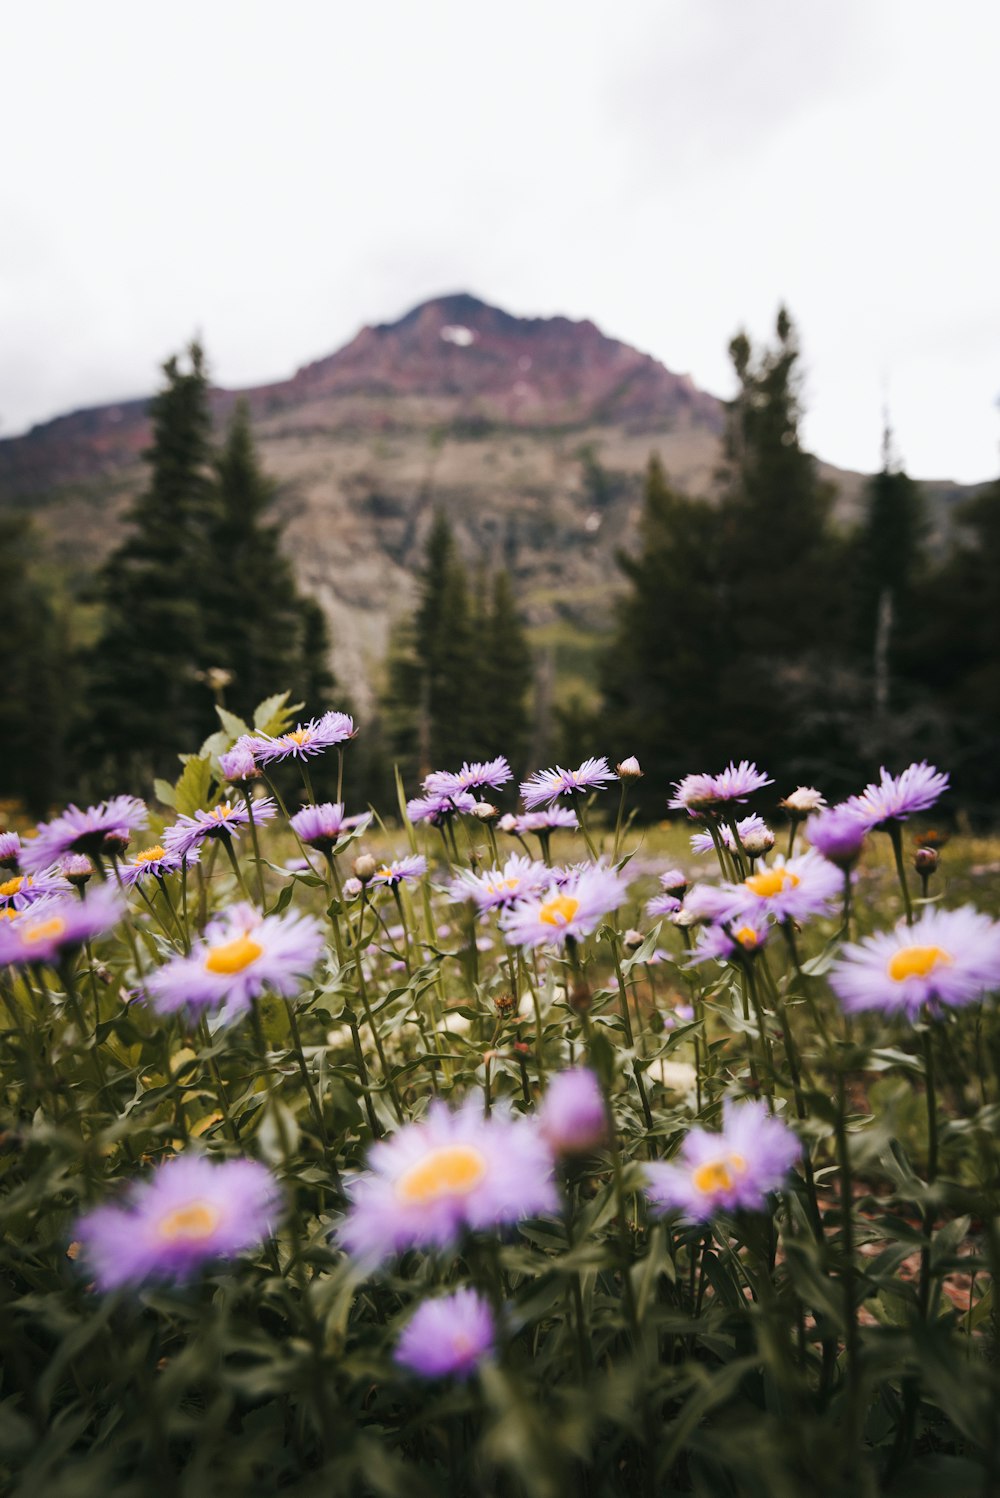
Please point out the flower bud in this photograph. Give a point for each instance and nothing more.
(77, 869)
(352, 888)
(632, 940)
(756, 843)
(364, 867)
(629, 769)
(484, 811)
(925, 861)
(673, 882)
(803, 800)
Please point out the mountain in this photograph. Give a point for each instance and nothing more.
(532, 433)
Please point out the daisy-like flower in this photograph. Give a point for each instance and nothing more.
(57, 925)
(660, 905)
(572, 1115)
(693, 794)
(224, 820)
(450, 1173)
(240, 954)
(323, 826)
(10, 850)
(306, 739)
(674, 882)
(738, 781)
(239, 764)
(155, 863)
(731, 1171)
(22, 890)
(99, 830)
(400, 870)
(497, 888)
(189, 1212)
(748, 827)
(704, 902)
(838, 833)
(788, 891)
(448, 1336)
(897, 797)
(946, 959)
(546, 786)
(731, 943)
(438, 808)
(471, 777)
(574, 907)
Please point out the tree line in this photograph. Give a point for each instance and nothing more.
(749, 624)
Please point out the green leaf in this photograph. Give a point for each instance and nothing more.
(193, 789)
(234, 726)
(165, 793)
(274, 715)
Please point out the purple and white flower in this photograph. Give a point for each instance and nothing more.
(224, 820)
(56, 926)
(731, 1171)
(571, 907)
(324, 825)
(541, 823)
(239, 764)
(438, 808)
(10, 850)
(497, 888)
(748, 827)
(400, 870)
(546, 786)
(449, 1336)
(945, 960)
(896, 797)
(189, 1212)
(493, 773)
(572, 1115)
(155, 863)
(241, 954)
(448, 1174)
(791, 890)
(22, 890)
(103, 830)
(838, 834)
(306, 739)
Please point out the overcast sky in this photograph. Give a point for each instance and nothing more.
(275, 176)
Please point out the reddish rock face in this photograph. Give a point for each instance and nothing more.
(451, 361)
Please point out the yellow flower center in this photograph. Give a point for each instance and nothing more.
(719, 1175)
(452, 1170)
(233, 956)
(49, 930)
(149, 855)
(770, 882)
(560, 911)
(747, 937)
(916, 962)
(11, 886)
(385, 872)
(8, 913)
(498, 887)
(192, 1223)
(221, 811)
(299, 736)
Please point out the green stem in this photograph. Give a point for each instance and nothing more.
(896, 838)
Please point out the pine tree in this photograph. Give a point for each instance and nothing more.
(506, 672)
(443, 645)
(36, 687)
(147, 698)
(660, 676)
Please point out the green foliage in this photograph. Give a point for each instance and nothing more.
(36, 688)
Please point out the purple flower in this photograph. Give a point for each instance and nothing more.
(693, 794)
(99, 830)
(188, 1212)
(737, 782)
(57, 925)
(572, 1116)
(450, 1335)
(946, 959)
(322, 826)
(546, 786)
(752, 827)
(493, 773)
(731, 1171)
(897, 797)
(673, 882)
(803, 800)
(10, 850)
(306, 739)
(241, 954)
(574, 907)
(400, 870)
(553, 819)
(705, 902)
(661, 905)
(838, 834)
(27, 889)
(224, 820)
(732, 943)
(788, 891)
(239, 764)
(449, 1173)
(155, 863)
(438, 808)
(497, 888)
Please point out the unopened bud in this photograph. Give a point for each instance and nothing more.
(485, 811)
(507, 822)
(925, 861)
(632, 940)
(756, 843)
(629, 769)
(803, 800)
(673, 882)
(77, 869)
(364, 867)
(352, 888)
(505, 1005)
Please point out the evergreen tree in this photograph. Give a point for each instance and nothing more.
(262, 631)
(36, 688)
(505, 678)
(660, 676)
(146, 696)
(444, 649)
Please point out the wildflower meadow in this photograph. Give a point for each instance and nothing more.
(489, 1143)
